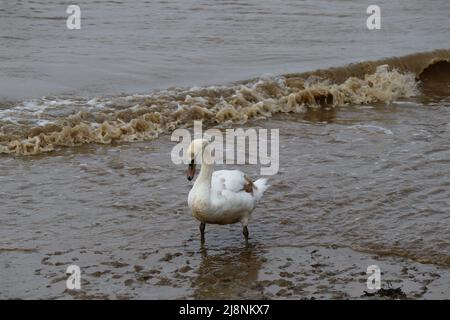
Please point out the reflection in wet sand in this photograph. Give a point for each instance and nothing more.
(227, 274)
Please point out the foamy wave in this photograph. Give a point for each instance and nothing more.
(137, 118)
(42, 125)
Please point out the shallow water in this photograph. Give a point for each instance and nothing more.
(86, 173)
(373, 179)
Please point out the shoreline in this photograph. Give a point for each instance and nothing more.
(312, 272)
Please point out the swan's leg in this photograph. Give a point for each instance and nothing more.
(202, 232)
(245, 232)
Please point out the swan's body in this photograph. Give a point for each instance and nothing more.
(221, 197)
(223, 200)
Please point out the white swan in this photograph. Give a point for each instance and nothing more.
(220, 197)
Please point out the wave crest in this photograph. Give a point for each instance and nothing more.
(145, 117)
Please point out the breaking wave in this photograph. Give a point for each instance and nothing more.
(38, 126)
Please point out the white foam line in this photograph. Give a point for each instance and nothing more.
(373, 127)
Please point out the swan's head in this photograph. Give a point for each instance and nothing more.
(194, 154)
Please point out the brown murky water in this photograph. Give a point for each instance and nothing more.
(364, 150)
(371, 178)
(133, 45)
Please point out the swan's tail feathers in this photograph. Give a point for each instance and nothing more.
(261, 186)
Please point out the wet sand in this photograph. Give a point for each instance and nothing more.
(238, 272)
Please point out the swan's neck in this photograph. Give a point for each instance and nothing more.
(203, 181)
(206, 171)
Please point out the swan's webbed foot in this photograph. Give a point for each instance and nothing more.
(202, 233)
(245, 232)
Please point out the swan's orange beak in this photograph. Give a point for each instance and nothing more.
(191, 171)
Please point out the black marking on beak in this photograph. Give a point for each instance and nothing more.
(191, 170)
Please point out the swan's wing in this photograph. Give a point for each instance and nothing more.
(229, 195)
(234, 193)
(228, 180)
(235, 181)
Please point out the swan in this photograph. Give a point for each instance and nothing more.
(220, 197)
